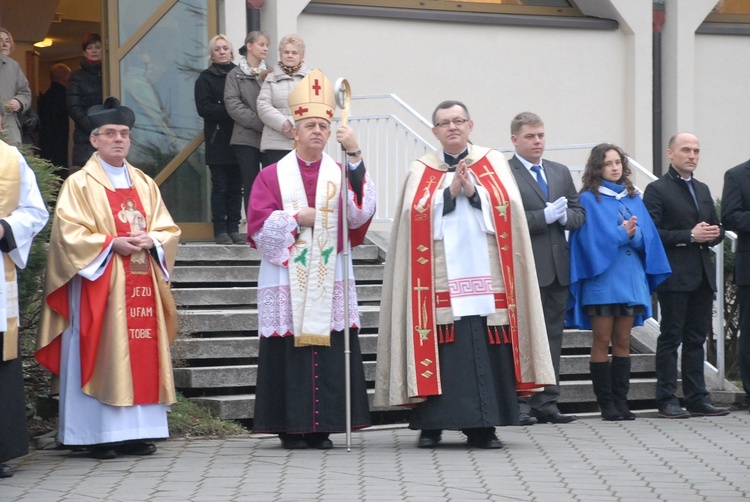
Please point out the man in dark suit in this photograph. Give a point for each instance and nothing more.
(551, 203)
(684, 213)
(53, 115)
(735, 215)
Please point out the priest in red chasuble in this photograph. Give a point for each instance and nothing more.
(461, 324)
(294, 220)
(109, 316)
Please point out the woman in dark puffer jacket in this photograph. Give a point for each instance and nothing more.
(84, 91)
(226, 179)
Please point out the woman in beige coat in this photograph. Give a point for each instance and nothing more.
(273, 101)
(15, 94)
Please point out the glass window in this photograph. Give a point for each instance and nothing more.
(730, 11)
(133, 13)
(157, 80)
(540, 7)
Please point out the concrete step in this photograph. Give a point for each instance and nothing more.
(241, 406)
(208, 377)
(229, 274)
(579, 364)
(240, 347)
(247, 347)
(215, 253)
(204, 377)
(641, 389)
(244, 320)
(248, 296)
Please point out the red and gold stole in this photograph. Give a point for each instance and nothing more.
(423, 329)
(140, 300)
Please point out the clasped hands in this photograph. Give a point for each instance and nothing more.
(556, 211)
(631, 225)
(133, 243)
(462, 181)
(703, 232)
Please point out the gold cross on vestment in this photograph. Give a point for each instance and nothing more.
(423, 333)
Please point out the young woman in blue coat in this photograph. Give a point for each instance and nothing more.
(616, 261)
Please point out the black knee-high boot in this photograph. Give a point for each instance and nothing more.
(621, 385)
(602, 380)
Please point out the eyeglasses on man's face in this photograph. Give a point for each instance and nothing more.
(447, 123)
(113, 133)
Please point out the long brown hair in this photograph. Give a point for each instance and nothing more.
(592, 175)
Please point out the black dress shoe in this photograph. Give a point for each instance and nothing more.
(319, 441)
(136, 448)
(707, 410)
(6, 471)
(293, 441)
(102, 453)
(486, 441)
(673, 410)
(556, 418)
(524, 419)
(429, 439)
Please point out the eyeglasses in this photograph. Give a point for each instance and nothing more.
(112, 133)
(445, 124)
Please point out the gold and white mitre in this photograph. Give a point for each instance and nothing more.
(313, 97)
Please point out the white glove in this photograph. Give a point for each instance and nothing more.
(556, 211)
(550, 214)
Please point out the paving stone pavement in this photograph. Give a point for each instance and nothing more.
(700, 459)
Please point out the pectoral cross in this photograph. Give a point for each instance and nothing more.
(331, 194)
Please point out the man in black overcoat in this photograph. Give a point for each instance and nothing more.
(735, 215)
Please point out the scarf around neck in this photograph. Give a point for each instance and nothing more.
(249, 70)
(290, 70)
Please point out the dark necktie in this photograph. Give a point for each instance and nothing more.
(540, 179)
(453, 161)
(692, 192)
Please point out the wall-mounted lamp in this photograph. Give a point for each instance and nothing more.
(47, 42)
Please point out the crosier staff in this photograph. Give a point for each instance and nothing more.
(343, 99)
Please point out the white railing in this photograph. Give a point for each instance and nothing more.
(391, 142)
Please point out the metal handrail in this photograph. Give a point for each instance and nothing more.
(418, 141)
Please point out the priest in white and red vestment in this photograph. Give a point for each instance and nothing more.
(108, 316)
(293, 219)
(22, 216)
(461, 324)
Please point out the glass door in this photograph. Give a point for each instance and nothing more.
(156, 52)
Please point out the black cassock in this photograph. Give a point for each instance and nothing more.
(13, 433)
(302, 389)
(477, 379)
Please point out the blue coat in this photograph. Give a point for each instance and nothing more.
(606, 266)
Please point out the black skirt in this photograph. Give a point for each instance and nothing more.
(302, 389)
(614, 310)
(477, 379)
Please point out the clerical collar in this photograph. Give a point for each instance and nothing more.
(453, 160)
(117, 175)
(305, 163)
